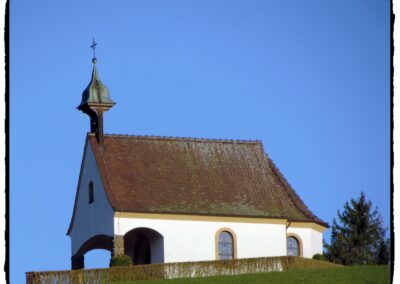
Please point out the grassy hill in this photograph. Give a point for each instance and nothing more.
(352, 275)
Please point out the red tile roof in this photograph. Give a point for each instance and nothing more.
(151, 174)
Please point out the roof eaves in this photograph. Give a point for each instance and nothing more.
(205, 214)
(319, 222)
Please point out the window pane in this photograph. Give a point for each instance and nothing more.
(225, 245)
(292, 246)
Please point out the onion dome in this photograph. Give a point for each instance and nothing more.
(96, 93)
(95, 101)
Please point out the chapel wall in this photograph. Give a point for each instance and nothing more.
(311, 240)
(188, 240)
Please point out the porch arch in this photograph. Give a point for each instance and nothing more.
(144, 246)
(96, 242)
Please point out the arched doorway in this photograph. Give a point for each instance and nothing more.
(97, 258)
(103, 242)
(144, 246)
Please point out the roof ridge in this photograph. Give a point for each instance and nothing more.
(177, 138)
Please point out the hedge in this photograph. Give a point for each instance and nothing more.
(176, 270)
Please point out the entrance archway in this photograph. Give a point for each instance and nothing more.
(144, 246)
(97, 258)
(97, 242)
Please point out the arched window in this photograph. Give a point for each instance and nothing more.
(293, 246)
(91, 192)
(225, 245)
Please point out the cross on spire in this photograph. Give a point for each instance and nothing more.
(93, 46)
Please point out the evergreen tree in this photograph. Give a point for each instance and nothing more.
(359, 237)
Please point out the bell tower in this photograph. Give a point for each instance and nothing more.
(95, 101)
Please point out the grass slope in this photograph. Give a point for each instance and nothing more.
(353, 275)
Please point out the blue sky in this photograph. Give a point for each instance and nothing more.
(310, 79)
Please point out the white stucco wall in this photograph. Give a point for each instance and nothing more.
(311, 240)
(194, 240)
(95, 218)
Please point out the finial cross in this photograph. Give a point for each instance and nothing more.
(94, 49)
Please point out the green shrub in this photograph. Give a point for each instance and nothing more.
(319, 256)
(120, 260)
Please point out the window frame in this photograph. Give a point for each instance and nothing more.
(234, 243)
(299, 243)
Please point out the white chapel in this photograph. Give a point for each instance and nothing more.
(170, 199)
